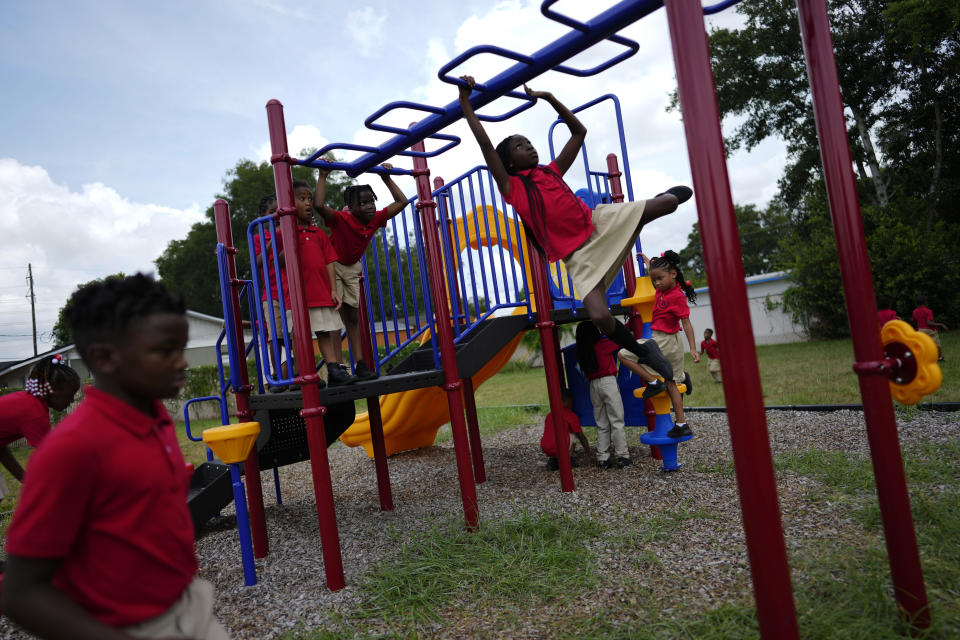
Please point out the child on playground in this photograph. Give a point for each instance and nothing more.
(885, 312)
(923, 318)
(592, 244)
(351, 230)
(712, 349)
(597, 357)
(670, 314)
(101, 543)
(26, 414)
(570, 424)
(317, 258)
(268, 207)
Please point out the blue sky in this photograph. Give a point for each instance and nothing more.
(121, 118)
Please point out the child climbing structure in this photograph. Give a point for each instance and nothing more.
(450, 326)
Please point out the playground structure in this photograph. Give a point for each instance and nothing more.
(451, 341)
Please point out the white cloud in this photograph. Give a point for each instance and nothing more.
(71, 237)
(302, 136)
(365, 27)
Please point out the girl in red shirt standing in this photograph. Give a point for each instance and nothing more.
(670, 314)
(26, 414)
(592, 244)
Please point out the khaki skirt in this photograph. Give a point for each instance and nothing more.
(599, 259)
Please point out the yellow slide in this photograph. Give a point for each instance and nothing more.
(411, 418)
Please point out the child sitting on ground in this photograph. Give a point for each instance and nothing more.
(923, 318)
(26, 414)
(597, 357)
(570, 424)
(670, 314)
(712, 349)
(101, 543)
(350, 233)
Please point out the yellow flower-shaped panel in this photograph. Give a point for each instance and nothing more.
(232, 442)
(900, 340)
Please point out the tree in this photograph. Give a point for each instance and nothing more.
(62, 336)
(189, 265)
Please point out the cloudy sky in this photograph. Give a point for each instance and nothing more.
(120, 118)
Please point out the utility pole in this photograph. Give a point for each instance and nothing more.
(33, 306)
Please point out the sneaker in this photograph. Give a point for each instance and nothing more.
(654, 388)
(687, 380)
(278, 389)
(680, 430)
(681, 193)
(337, 375)
(623, 462)
(363, 372)
(605, 464)
(574, 463)
(651, 355)
(552, 464)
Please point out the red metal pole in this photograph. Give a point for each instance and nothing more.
(251, 466)
(551, 368)
(373, 408)
(473, 430)
(766, 549)
(312, 411)
(862, 313)
(448, 356)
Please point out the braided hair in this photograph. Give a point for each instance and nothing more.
(102, 311)
(351, 195)
(670, 260)
(587, 337)
(50, 374)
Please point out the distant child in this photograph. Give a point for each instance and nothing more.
(670, 314)
(268, 207)
(317, 258)
(571, 424)
(350, 233)
(923, 318)
(592, 244)
(712, 349)
(26, 414)
(101, 543)
(597, 357)
(884, 311)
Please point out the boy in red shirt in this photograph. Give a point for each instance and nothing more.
(884, 311)
(350, 233)
(712, 349)
(571, 424)
(317, 259)
(101, 544)
(923, 318)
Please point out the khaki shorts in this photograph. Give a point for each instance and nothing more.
(600, 258)
(277, 318)
(190, 617)
(348, 282)
(671, 346)
(325, 319)
(933, 334)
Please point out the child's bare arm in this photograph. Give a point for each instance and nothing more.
(11, 464)
(328, 214)
(31, 600)
(577, 131)
(499, 172)
(688, 331)
(332, 274)
(646, 263)
(400, 200)
(583, 443)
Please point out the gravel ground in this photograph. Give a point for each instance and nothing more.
(709, 568)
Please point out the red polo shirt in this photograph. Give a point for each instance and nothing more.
(316, 253)
(106, 493)
(607, 365)
(267, 264)
(23, 416)
(711, 348)
(922, 316)
(350, 237)
(885, 315)
(547, 442)
(568, 220)
(669, 307)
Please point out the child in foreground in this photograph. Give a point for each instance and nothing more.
(26, 414)
(597, 357)
(592, 244)
(101, 544)
(712, 349)
(670, 314)
(570, 424)
(350, 233)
